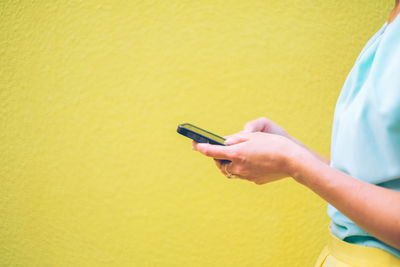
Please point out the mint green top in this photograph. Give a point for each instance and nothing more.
(366, 127)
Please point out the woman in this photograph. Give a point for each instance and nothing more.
(361, 182)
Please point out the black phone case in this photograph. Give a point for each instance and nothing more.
(197, 136)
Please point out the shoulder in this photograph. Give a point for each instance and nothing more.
(384, 77)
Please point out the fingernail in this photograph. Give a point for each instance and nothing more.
(228, 141)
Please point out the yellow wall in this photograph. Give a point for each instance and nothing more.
(92, 170)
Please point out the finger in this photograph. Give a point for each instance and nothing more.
(214, 151)
(257, 125)
(237, 138)
(226, 170)
(241, 132)
(220, 166)
(228, 136)
(232, 135)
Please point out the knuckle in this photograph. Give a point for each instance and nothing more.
(260, 119)
(239, 157)
(248, 124)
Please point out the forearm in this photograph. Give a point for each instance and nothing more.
(373, 208)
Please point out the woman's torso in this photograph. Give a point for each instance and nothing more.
(366, 128)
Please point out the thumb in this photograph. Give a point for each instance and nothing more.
(252, 128)
(236, 139)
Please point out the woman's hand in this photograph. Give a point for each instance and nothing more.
(258, 157)
(267, 126)
(261, 153)
(262, 125)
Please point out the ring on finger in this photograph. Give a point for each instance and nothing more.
(228, 174)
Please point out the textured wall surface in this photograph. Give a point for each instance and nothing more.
(92, 171)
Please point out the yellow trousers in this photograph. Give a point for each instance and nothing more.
(339, 253)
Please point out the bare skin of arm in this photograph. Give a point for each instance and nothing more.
(373, 208)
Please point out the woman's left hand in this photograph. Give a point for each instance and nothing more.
(258, 157)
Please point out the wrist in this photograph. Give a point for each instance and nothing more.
(297, 162)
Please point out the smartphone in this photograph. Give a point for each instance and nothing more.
(199, 135)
